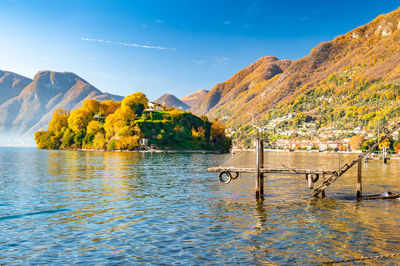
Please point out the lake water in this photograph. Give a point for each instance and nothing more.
(142, 208)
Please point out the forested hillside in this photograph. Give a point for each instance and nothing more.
(352, 80)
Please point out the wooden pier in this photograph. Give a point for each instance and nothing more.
(328, 176)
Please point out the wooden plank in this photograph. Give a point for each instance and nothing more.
(296, 171)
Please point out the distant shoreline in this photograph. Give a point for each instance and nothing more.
(153, 151)
(281, 150)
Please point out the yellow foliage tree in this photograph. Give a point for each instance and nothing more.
(135, 98)
(356, 142)
(217, 129)
(199, 133)
(136, 101)
(124, 131)
(127, 143)
(59, 122)
(385, 142)
(124, 113)
(118, 120)
(108, 107)
(175, 113)
(93, 127)
(78, 119)
(112, 125)
(92, 106)
(99, 141)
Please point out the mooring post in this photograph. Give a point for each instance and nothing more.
(258, 180)
(257, 183)
(261, 175)
(359, 179)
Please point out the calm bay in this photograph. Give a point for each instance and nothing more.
(163, 208)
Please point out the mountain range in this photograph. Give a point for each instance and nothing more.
(352, 80)
(364, 61)
(171, 101)
(194, 97)
(28, 105)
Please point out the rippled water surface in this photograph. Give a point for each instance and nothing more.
(116, 207)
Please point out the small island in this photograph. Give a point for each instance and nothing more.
(132, 124)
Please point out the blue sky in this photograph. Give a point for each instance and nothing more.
(167, 46)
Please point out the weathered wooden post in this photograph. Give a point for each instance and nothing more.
(259, 177)
(359, 179)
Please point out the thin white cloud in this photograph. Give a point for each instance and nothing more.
(221, 60)
(127, 44)
(227, 22)
(198, 62)
(159, 21)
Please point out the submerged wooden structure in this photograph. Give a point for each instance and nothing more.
(228, 173)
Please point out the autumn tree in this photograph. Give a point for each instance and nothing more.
(218, 137)
(397, 148)
(108, 107)
(93, 127)
(127, 143)
(78, 119)
(118, 120)
(59, 121)
(137, 102)
(42, 139)
(356, 142)
(92, 106)
(99, 141)
(385, 142)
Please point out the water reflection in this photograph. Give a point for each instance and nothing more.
(120, 207)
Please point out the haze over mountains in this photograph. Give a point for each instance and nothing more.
(34, 104)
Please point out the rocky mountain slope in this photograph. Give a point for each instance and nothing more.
(358, 71)
(11, 85)
(194, 97)
(171, 101)
(234, 89)
(32, 109)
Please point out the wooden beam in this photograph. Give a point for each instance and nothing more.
(359, 179)
(257, 175)
(261, 174)
(294, 171)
